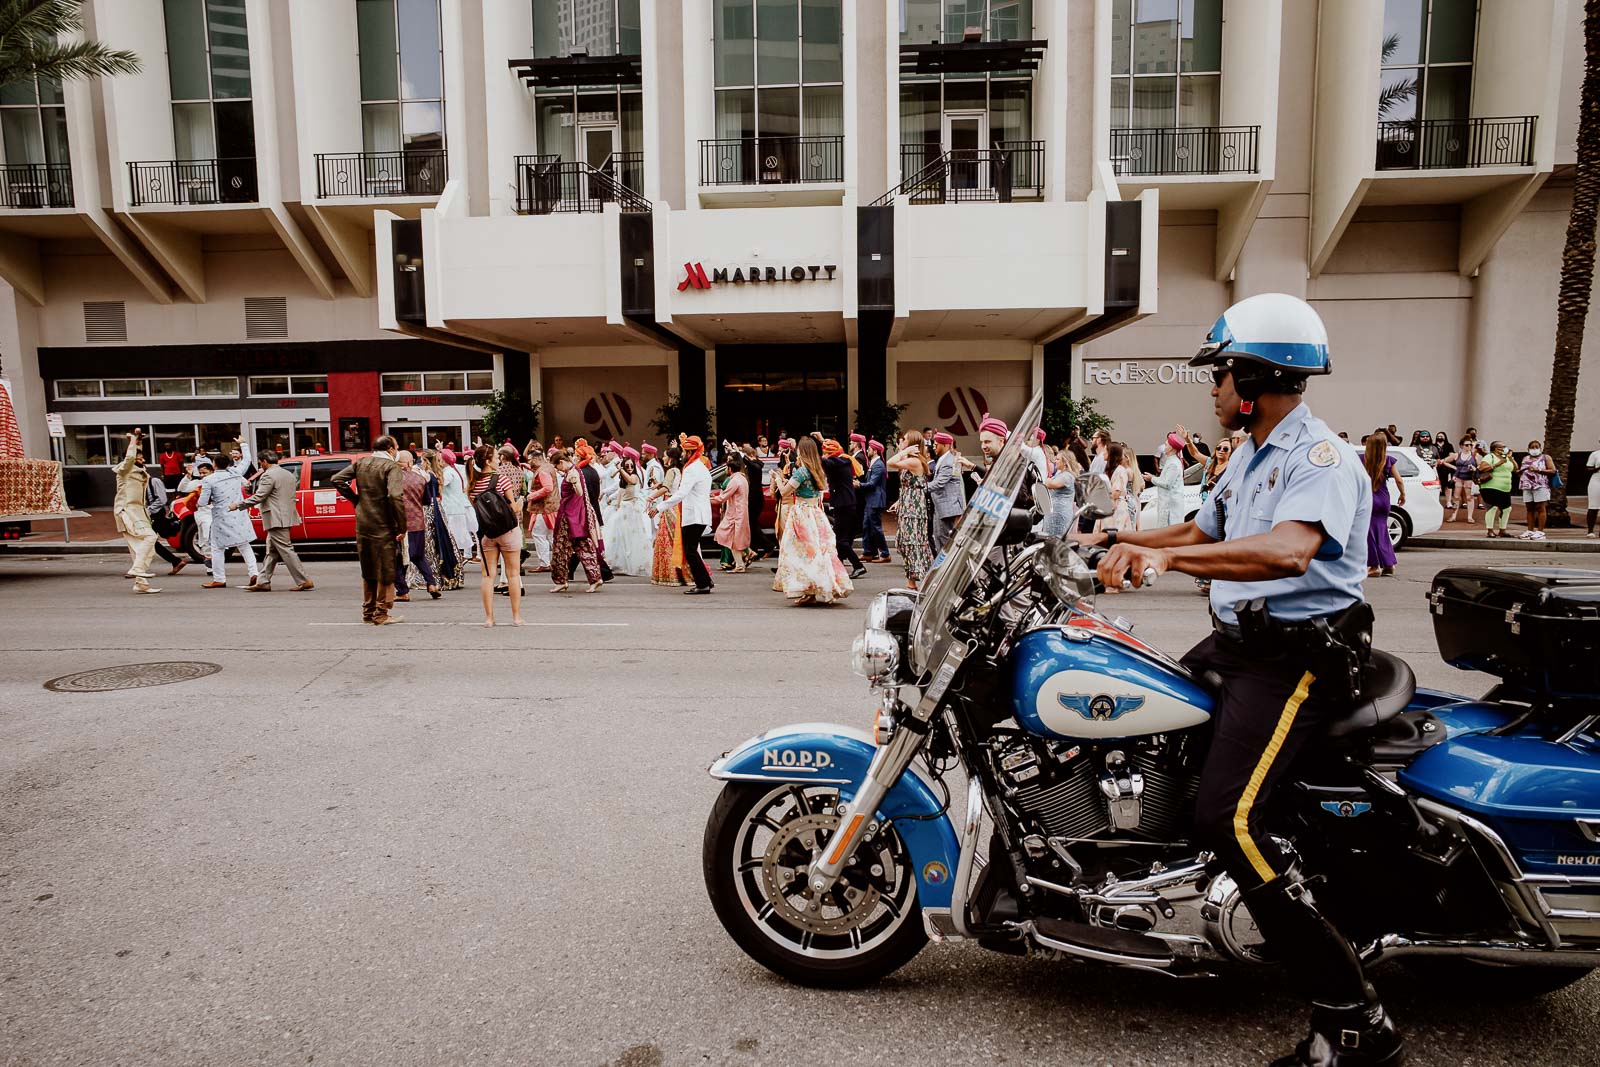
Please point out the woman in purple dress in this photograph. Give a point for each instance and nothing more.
(1380, 467)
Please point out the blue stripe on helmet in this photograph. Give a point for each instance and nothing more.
(1291, 355)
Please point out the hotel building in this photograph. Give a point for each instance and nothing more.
(308, 222)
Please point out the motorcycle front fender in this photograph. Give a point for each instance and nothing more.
(815, 753)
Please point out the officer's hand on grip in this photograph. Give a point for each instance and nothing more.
(1131, 563)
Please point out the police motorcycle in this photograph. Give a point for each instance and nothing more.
(1029, 778)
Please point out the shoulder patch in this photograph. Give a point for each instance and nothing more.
(1324, 454)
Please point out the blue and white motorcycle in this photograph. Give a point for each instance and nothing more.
(1458, 833)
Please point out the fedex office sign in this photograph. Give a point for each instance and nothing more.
(1144, 372)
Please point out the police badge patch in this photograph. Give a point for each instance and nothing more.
(1324, 454)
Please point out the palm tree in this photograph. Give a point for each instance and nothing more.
(1391, 96)
(31, 44)
(1577, 269)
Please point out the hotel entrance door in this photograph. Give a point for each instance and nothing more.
(765, 390)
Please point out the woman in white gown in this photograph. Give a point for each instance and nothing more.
(630, 535)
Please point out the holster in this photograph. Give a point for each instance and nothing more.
(1335, 648)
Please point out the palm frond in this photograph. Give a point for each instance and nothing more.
(31, 44)
(1391, 96)
(67, 62)
(1390, 43)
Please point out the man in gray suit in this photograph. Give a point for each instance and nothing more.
(949, 496)
(275, 496)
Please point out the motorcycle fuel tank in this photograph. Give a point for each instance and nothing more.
(1078, 683)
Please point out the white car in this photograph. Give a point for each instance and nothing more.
(1422, 514)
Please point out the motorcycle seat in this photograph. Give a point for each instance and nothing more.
(1386, 691)
(1387, 687)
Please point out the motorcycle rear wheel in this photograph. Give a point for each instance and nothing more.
(757, 838)
(1482, 980)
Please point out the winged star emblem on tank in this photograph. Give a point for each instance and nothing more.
(1102, 707)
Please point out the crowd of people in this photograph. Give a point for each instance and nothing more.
(621, 510)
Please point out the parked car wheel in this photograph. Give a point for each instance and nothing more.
(1399, 528)
(188, 535)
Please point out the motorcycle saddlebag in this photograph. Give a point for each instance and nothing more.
(1536, 627)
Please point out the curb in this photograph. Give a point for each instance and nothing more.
(1502, 544)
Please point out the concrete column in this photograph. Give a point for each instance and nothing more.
(19, 364)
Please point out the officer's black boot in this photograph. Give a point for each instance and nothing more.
(1349, 1027)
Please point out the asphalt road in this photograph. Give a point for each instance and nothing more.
(433, 844)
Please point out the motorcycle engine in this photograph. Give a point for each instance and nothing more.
(1137, 787)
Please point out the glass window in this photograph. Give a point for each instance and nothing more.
(821, 30)
(1121, 90)
(555, 126)
(735, 42)
(630, 41)
(236, 130)
(375, 34)
(178, 437)
(777, 42)
(323, 470)
(54, 120)
(1452, 31)
(380, 127)
(186, 50)
(420, 76)
(215, 435)
(823, 109)
(269, 386)
(736, 113)
(309, 437)
(1011, 111)
(780, 112)
(117, 441)
(480, 381)
(230, 49)
(1121, 35)
(958, 15)
(422, 124)
(1154, 100)
(50, 91)
(192, 136)
(24, 141)
(309, 384)
(124, 387)
(22, 92)
(401, 383)
(1449, 93)
(216, 387)
(1397, 93)
(1199, 100)
(442, 383)
(1011, 20)
(1201, 46)
(172, 387)
(1404, 27)
(84, 445)
(78, 389)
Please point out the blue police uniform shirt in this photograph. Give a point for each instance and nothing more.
(1304, 473)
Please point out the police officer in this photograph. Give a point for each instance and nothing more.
(1285, 530)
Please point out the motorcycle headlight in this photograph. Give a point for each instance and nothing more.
(875, 655)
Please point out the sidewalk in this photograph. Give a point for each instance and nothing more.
(1473, 535)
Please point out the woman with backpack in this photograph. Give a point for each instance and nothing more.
(495, 496)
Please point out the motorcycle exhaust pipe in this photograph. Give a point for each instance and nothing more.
(1393, 946)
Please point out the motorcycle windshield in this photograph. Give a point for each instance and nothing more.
(977, 533)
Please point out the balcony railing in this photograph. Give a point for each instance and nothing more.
(548, 184)
(1185, 150)
(1005, 171)
(193, 181)
(771, 160)
(1422, 144)
(25, 185)
(377, 174)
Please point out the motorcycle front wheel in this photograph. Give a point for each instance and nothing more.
(759, 842)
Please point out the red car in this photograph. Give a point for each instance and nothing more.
(326, 517)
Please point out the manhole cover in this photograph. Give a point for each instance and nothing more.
(130, 676)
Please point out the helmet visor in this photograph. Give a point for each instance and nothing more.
(1210, 353)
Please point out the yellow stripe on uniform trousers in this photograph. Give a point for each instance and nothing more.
(1241, 814)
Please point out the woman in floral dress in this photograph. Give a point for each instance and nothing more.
(911, 511)
(809, 571)
(667, 564)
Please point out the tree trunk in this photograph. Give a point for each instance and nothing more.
(1577, 270)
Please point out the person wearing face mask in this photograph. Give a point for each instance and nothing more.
(1496, 488)
(1533, 478)
(1169, 481)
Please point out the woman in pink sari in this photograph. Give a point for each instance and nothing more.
(733, 532)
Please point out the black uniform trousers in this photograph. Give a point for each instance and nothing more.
(1268, 710)
(846, 524)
